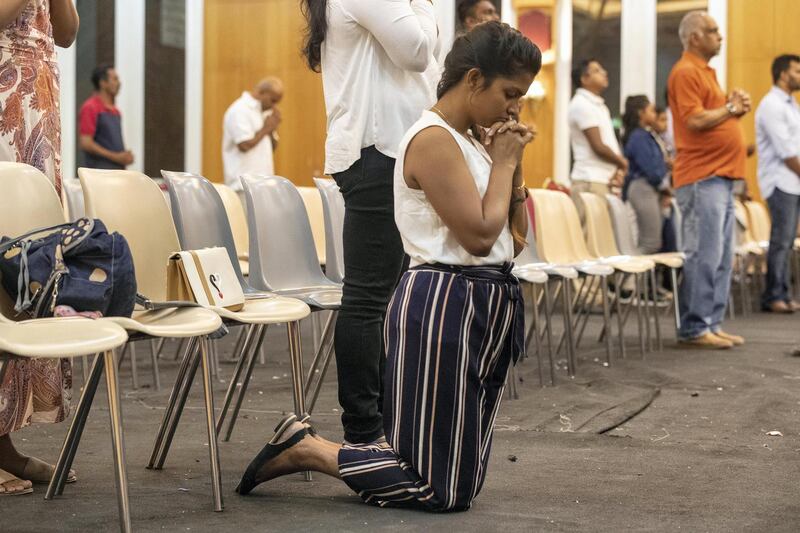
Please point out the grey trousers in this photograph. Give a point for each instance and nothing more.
(645, 202)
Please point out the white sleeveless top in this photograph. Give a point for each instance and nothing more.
(426, 239)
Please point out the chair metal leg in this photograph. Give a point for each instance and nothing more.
(584, 311)
(134, 367)
(84, 369)
(117, 442)
(213, 451)
(606, 318)
(243, 331)
(179, 350)
(325, 338)
(533, 334)
(251, 333)
(511, 379)
(657, 323)
(638, 296)
(183, 394)
(73, 437)
(245, 382)
(644, 300)
(673, 274)
(173, 396)
(154, 363)
(548, 311)
(618, 280)
(296, 356)
(571, 362)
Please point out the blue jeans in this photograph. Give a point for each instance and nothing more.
(784, 209)
(708, 217)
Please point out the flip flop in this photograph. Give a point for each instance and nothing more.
(288, 432)
(39, 471)
(5, 477)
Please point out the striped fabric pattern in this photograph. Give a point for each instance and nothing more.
(450, 339)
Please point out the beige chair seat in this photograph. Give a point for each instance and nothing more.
(628, 264)
(173, 322)
(668, 259)
(531, 274)
(275, 310)
(60, 337)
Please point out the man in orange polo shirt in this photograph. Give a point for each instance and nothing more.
(711, 154)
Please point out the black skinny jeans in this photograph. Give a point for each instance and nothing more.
(373, 259)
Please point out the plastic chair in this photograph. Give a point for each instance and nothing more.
(201, 222)
(313, 202)
(238, 224)
(760, 223)
(144, 219)
(333, 214)
(74, 196)
(627, 245)
(283, 258)
(601, 244)
(39, 339)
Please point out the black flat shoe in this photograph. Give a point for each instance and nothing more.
(288, 432)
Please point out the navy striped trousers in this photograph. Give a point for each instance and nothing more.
(451, 335)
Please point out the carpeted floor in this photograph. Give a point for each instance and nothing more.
(677, 441)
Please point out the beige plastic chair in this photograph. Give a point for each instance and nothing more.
(148, 226)
(601, 244)
(555, 246)
(238, 222)
(57, 338)
(760, 223)
(313, 202)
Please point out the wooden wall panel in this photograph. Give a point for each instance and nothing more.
(538, 158)
(246, 40)
(757, 33)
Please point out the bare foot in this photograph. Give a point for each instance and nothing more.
(12, 485)
(287, 462)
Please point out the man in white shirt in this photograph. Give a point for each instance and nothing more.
(599, 163)
(778, 137)
(249, 132)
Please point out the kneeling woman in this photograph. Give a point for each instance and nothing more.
(455, 323)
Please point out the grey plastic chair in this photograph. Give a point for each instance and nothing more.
(202, 222)
(283, 259)
(74, 194)
(333, 212)
(626, 244)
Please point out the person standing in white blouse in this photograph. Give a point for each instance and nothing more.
(376, 60)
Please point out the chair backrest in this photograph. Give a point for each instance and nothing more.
(236, 217)
(200, 217)
(553, 235)
(131, 203)
(760, 224)
(313, 202)
(622, 225)
(74, 196)
(333, 213)
(28, 201)
(599, 230)
(745, 234)
(282, 251)
(528, 254)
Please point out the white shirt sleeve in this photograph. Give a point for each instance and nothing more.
(406, 30)
(238, 127)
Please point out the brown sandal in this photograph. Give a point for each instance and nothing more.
(5, 477)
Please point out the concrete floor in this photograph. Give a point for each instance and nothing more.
(697, 458)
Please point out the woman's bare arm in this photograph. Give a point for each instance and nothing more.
(65, 21)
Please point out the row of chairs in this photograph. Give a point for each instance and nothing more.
(285, 283)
